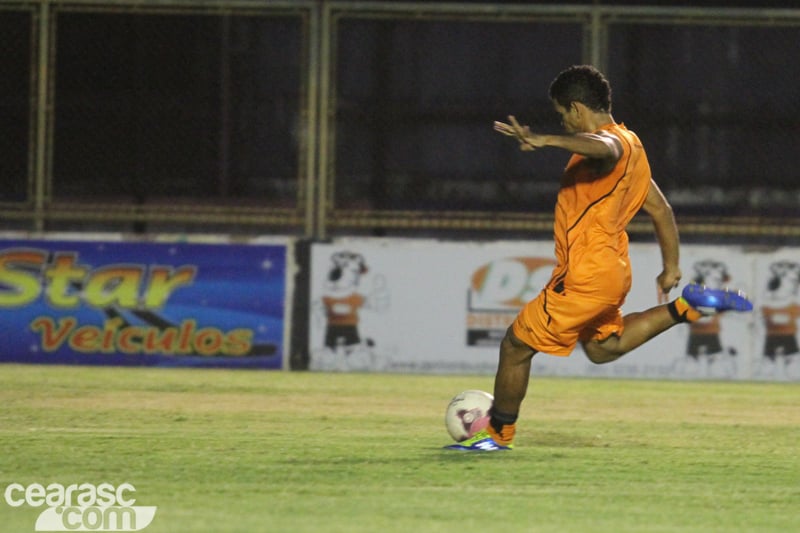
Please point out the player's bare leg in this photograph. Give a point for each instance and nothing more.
(695, 302)
(513, 373)
(510, 386)
(639, 328)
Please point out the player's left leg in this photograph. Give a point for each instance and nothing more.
(513, 373)
(510, 387)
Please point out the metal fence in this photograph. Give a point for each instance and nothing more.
(332, 118)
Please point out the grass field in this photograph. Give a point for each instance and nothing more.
(254, 451)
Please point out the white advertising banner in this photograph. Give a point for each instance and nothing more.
(409, 305)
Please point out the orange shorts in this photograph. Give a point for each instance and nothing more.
(554, 322)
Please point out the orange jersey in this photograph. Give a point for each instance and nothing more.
(582, 300)
(591, 215)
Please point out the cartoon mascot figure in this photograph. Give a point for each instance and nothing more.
(780, 313)
(342, 302)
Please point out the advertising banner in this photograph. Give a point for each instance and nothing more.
(777, 294)
(143, 303)
(417, 306)
(402, 305)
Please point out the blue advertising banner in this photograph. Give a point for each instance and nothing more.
(142, 303)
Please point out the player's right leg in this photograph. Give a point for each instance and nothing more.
(696, 302)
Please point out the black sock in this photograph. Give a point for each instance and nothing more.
(672, 307)
(498, 419)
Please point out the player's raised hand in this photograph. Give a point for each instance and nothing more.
(505, 129)
(523, 134)
(514, 129)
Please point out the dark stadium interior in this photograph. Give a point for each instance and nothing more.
(146, 108)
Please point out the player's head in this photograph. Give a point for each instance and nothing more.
(582, 84)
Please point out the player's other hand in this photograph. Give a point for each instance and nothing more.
(666, 281)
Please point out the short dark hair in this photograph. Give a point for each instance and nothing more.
(584, 84)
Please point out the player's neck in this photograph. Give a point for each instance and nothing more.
(598, 120)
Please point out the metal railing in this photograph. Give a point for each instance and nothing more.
(331, 118)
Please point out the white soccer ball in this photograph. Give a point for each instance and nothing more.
(468, 413)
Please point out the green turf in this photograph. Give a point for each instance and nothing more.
(253, 451)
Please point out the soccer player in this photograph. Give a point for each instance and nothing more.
(605, 183)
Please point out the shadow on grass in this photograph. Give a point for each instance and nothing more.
(566, 440)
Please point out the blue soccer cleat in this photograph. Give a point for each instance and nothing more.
(711, 301)
(480, 442)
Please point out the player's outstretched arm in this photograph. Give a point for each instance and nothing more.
(592, 145)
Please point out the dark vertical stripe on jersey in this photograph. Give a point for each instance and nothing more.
(606, 195)
(544, 306)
